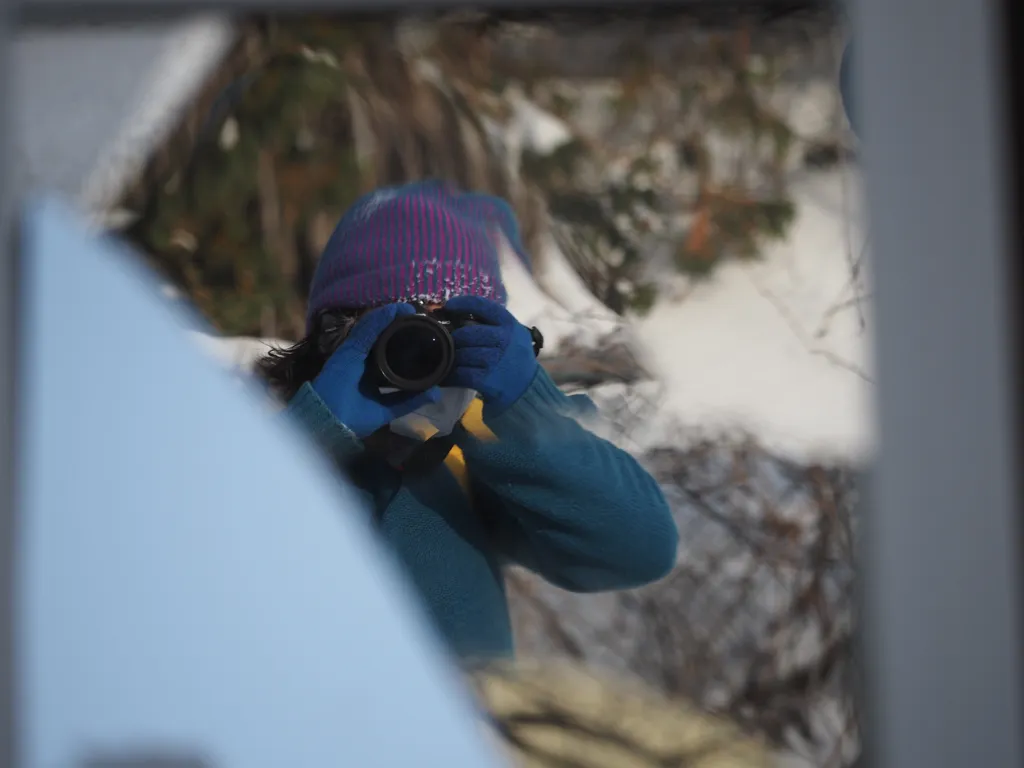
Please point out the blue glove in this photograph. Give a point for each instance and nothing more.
(495, 356)
(353, 400)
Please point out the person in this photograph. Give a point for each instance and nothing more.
(519, 479)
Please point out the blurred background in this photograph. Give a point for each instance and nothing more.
(688, 186)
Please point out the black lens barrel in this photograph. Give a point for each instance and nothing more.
(414, 353)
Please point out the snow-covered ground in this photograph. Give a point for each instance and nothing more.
(778, 348)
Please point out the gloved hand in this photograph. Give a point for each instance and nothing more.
(495, 356)
(342, 386)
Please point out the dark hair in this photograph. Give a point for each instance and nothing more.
(286, 369)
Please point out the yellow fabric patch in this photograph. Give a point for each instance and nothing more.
(456, 464)
(473, 421)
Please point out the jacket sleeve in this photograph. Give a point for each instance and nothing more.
(340, 443)
(568, 504)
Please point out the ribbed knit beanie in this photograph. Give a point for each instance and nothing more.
(426, 241)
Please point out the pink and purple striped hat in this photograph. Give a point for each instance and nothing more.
(426, 241)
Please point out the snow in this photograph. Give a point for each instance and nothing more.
(776, 349)
(779, 348)
(538, 130)
(566, 311)
(556, 277)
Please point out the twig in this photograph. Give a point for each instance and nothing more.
(794, 326)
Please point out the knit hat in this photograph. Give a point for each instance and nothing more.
(425, 241)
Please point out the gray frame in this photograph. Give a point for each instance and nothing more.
(8, 326)
(941, 575)
(70, 11)
(942, 623)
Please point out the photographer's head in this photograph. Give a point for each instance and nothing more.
(422, 242)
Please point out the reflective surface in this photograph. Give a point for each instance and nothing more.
(193, 581)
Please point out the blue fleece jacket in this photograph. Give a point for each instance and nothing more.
(542, 492)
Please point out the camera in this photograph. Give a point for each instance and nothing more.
(417, 352)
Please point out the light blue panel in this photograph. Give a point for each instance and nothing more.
(192, 578)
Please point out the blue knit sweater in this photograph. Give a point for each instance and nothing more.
(533, 487)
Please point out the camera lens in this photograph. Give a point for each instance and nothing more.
(414, 353)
